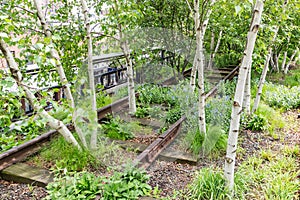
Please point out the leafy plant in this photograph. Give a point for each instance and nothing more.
(113, 129)
(82, 185)
(130, 184)
(257, 123)
(142, 112)
(173, 115)
(218, 112)
(102, 99)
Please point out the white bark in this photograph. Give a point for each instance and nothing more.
(93, 139)
(212, 56)
(247, 94)
(283, 61)
(290, 61)
(55, 55)
(130, 80)
(212, 44)
(16, 74)
(129, 64)
(202, 32)
(239, 94)
(264, 73)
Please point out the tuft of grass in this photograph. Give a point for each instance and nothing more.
(207, 184)
(66, 156)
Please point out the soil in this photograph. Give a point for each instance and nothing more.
(171, 176)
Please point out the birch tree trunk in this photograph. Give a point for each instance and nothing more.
(283, 61)
(290, 61)
(130, 80)
(264, 73)
(212, 57)
(16, 74)
(247, 95)
(239, 93)
(212, 44)
(55, 55)
(93, 139)
(202, 32)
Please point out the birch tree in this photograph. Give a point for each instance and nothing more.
(264, 73)
(200, 29)
(54, 53)
(286, 69)
(89, 39)
(239, 93)
(266, 65)
(214, 50)
(16, 74)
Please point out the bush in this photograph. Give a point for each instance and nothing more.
(207, 184)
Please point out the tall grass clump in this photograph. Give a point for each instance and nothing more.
(207, 184)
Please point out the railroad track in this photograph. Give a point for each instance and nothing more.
(143, 160)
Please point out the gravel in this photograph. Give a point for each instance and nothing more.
(16, 191)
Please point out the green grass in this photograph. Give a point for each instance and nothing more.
(270, 176)
(207, 184)
(65, 156)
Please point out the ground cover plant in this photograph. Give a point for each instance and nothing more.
(280, 96)
(128, 184)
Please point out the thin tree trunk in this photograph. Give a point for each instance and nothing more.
(215, 51)
(55, 55)
(247, 95)
(16, 74)
(212, 44)
(283, 61)
(290, 61)
(276, 62)
(202, 31)
(131, 90)
(239, 93)
(93, 139)
(264, 72)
